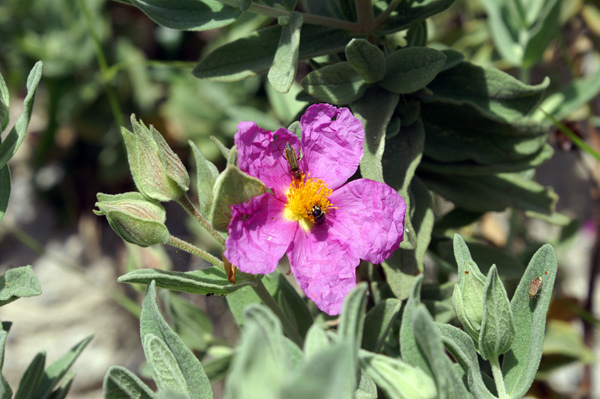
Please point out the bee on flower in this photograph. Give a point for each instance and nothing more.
(323, 224)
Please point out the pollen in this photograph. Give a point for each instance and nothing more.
(303, 194)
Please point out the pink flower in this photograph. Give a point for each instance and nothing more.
(363, 219)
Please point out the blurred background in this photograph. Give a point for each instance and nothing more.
(104, 61)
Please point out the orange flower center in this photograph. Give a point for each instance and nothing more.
(304, 195)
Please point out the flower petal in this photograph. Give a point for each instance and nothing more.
(259, 235)
(332, 143)
(373, 214)
(261, 154)
(325, 269)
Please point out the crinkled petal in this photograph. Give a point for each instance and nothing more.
(332, 143)
(372, 213)
(259, 235)
(325, 269)
(261, 154)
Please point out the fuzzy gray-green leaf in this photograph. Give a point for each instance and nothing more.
(209, 281)
(152, 323)
(411, 353)
(374, 110)
(367, 59)
(379, 321)
(398, 379)
(15, 137)
(188, 14)
(522, 360)
(4, 190)
(20, 282)
(283, 71)
(262, 339)
(492, 92)
(336, 84)
(122, 383)
(462, 348)
(253, 54)
(411, 69)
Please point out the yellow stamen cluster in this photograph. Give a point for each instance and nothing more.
(302, 196)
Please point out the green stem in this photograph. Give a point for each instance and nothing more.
(287, 325)
(110, 94)
(365, 16)
(306, 18)
(187, 247)
(386, 13)
(498, 378)
(187, 204)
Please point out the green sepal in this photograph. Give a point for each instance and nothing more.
(157, 171)
(367, 59)
(411, 69)
(468, 295)
(498, 325)
(232, 187)
(338, 83)
(207, 174)
(134, 218)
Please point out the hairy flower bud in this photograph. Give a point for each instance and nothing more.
(467, 298)
(157, 171)
(134, 218)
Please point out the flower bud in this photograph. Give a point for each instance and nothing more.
(467, 298)
(134, 218)
(157, 171)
